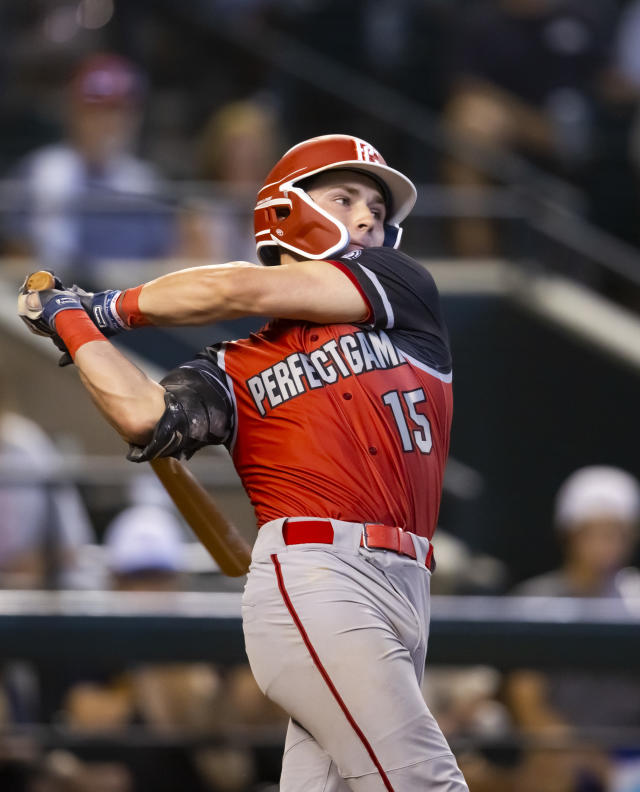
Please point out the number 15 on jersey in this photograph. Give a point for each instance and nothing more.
(414, 430)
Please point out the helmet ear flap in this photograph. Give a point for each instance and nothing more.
(308, 230)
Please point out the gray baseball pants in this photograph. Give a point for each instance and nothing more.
(337, 636)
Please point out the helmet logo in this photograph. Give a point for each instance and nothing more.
(367, 153)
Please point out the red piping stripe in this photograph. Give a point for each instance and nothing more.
(324, 673)
(344, 269)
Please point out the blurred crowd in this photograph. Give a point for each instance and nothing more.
(120, 144)
(152, 150)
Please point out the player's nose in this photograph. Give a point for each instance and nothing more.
(364, 217)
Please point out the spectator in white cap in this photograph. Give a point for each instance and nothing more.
(597, 511)
(144, 547)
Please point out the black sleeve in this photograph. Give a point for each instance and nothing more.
(403, 300)
(199, 412)
(209, 381)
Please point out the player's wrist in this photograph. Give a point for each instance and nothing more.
(103, 309)
(55, 302)
(128, 308)
(76, 328)
(113, 311)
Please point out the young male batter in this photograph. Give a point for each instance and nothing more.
(337, 415)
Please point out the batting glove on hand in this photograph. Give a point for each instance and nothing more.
(102, 308)
(37, 310)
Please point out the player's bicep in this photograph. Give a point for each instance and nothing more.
(312, 291)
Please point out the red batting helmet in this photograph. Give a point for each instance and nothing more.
(285, 216)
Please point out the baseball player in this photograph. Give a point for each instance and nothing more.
(337, 415)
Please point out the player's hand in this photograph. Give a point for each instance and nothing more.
(102, 308)
(31, 310)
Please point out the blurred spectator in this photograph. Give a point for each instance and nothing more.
(466, 702)
(89, 197)
(144, 546)
(461, 571)
(597, 511)
(145, 552)
(627, 40)
(623, 194)
(43, 531)
(524, 74)
(43, 528)
(235, 151)
(62, 771)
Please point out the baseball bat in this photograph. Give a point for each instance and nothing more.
(40, 281)
(220, 537)
(29, 304)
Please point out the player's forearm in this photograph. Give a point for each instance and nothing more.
(199, 295)
(305, 290)
(128, 399)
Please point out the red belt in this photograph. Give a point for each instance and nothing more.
(374, 536)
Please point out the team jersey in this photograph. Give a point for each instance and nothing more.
(349, 421)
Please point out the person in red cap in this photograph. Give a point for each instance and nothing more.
(89, 197)
(337, 416)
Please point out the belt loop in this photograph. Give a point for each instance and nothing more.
(399, 533)
(365, 538)
(430, 561)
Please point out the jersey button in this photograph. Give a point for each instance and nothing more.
(373, 450)
(346, 396)
(314, 337)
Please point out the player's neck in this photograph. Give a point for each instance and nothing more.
(290, 258)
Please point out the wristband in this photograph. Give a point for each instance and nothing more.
(76, 329)
(129, 310)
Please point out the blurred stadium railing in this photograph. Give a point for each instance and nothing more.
(504, 632)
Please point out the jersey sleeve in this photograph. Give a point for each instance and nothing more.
(403, 299)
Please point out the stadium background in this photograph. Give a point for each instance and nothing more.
(533, 241)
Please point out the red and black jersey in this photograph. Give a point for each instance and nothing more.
(346, 421)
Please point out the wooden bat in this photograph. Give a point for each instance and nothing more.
(220, 537)
(29, 304)
(40, 281)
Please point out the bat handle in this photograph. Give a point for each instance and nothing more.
(40, 281)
